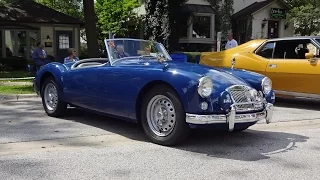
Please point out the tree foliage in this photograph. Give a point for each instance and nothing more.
(116, 15)
(305, 14)
(73, 8)
(162, 21)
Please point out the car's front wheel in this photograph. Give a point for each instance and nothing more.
(51, 99)
(163, 117)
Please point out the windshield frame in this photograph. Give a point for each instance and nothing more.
(317, 41)
(112, 61)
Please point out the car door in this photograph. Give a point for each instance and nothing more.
(257, 61)
(117, 90)
(81, 86)
(289, 69)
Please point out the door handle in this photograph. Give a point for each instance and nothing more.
(272, 66)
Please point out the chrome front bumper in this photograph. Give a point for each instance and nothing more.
(232, 118)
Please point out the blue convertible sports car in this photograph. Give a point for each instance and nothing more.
(140, 82)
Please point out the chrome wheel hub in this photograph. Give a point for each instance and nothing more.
(51, 97)
(161, 115)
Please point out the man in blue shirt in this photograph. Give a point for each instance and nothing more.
(39, 56)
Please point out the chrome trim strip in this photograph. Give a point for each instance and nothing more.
(232, 118)
(298, 95)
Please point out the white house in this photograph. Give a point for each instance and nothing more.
(264, 19)
(22, 24)
(252, 19)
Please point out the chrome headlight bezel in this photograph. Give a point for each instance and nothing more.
(205, 87)
(266, 85)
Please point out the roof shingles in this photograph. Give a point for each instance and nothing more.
(254, 7)
(31, 12)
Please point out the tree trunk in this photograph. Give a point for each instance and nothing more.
(91, 29)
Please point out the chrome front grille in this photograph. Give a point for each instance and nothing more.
(242, 99)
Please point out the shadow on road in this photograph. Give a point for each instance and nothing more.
(307, 104)
(250, 145)
(124, 128)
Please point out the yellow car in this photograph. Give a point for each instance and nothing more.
(291, 63)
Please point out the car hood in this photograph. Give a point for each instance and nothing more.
(220, 77)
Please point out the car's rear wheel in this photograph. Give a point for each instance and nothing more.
(163, 117)
(51, 99)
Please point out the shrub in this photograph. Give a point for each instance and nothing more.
(193, 57)
(15, 63)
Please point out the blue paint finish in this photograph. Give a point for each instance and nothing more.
(114, 89)
(252, 78)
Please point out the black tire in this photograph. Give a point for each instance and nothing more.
(61, 106)
(180, 129)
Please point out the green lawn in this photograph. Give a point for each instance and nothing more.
(14, 74)
(28, 89)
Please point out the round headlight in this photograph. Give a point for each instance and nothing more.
(266, 85)
(205, 87)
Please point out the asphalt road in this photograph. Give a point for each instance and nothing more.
(86, 146)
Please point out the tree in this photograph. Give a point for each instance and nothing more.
(297, 3)
(91, 29)
(72, 8)
(306, 19)
(116, 16)
(305, 14)
(161, 21)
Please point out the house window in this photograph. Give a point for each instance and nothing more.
(17, 42)
(22, 44)
(10, 43)
(64, 41)
(33, 38)
(201, 27)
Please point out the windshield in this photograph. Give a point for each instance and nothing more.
(318, 40)
(126, 49)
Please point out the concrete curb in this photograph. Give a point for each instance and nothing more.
(16, 83)
(12, 79)
(7, 97)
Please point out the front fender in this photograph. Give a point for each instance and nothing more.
(54, 70)
(186, 86)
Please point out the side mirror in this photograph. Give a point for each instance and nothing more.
(309, 55)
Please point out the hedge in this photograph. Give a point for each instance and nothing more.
(192, 56)
(14, 63)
